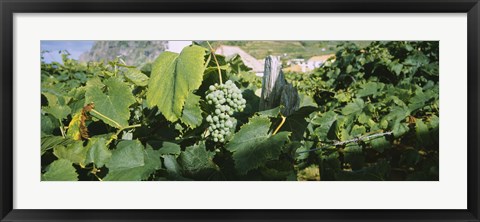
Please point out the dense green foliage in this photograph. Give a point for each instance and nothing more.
(387, 86)
(111, 121)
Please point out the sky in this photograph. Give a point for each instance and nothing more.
(75, 48)
(78, 47)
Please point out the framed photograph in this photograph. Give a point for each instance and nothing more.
(230, 110)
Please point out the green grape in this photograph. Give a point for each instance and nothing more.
(227, 99)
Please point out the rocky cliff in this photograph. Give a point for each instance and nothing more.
(132, 52)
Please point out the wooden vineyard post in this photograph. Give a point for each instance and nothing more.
(275, 89)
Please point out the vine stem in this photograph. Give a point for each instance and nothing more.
(120, 130)
(357, 139)
(280, 125)
(216, 61)
(94, 172)
(362, 138)
(62, 128)
(106, 117)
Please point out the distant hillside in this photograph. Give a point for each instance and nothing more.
(292, 49)
(132, 52)
(140, 52)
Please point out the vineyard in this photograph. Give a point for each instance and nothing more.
(369, 113)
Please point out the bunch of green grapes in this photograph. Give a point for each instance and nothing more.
(227, 99)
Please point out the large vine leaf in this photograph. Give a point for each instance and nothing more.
(173, 77)
(74, 152)
(197, 160)
(113, 105)
(60, 170)
(324, 123)
(192, 114)
(130, 161)
(296, 122)
(97, 153)
(252, 145)
(169, 148)
(136, 77)
(172, 166)
(353, 108)
(49, 141)
(152, 162)
(57, 106)
(48, 124)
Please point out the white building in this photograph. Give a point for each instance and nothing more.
(256, 65)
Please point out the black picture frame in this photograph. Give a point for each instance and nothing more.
(9, 7)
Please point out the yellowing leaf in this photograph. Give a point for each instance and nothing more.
(74, 127)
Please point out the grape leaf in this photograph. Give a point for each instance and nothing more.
(306, 101)
(169, 148)
(367, 89)
(274, 112)
(173, 77)
(137, 77)
(97, 153)
(56, 106)
(48, 124)
(252, 145)
(128, 154)
(324, 123)
(192, 114)
(152, 162)
(399, 128)
(380, 144)
(73, 130)
(173, 168)
(113, 105)
(423, 135)
(296, 122)
(48, 142)
(130, 161)
(58, 111)
(353, 108)
(74, 152)
(358, 130)
(196, 160)
(60, 170)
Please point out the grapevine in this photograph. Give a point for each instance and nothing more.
(369, 112)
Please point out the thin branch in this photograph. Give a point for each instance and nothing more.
(120, 130)
(106, 117)
(354, 140)
(62, 128)
(216, 61)
(361, 138)
(208, 61)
